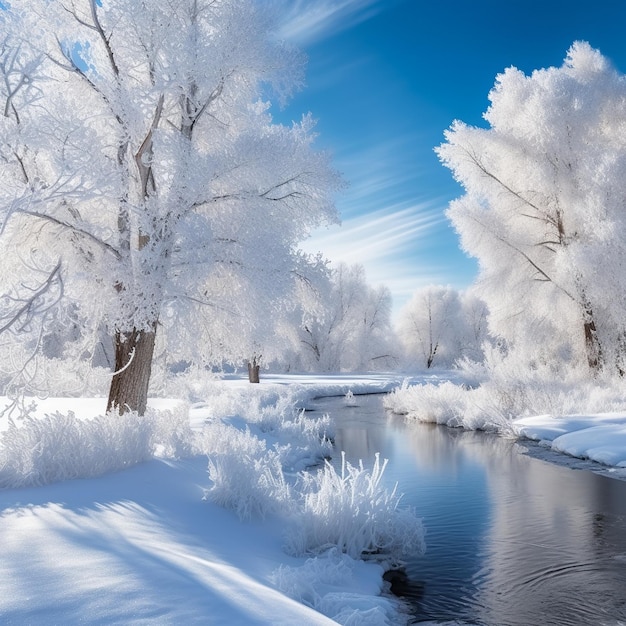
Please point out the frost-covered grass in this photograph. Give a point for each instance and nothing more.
(61, 446)
(354, 512)
(245, 476)
(338, 519)
(251, 467)
(502, 390)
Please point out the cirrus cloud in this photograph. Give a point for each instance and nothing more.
(307, 21)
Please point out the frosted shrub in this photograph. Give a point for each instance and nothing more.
(310, 438)
(279, 413)
(510, 390)
(273, 416)
(172, 435)
(349, 399)
(488, 407)
(310, 441)
(245, 476)
(451, 405)
(355, 513)
(441, 404)
(223, 439)
(255, 435)
(62, 446)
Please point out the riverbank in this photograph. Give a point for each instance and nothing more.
(587, 422)
(102, 524)
(594, 442)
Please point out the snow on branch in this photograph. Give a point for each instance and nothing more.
(17, 312)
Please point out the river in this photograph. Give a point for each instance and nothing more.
(512, 540)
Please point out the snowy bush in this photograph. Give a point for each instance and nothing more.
(39, 451)
(245, 476)
(248, 458)
(355, 513)
(172, 436)
(272, 414)
(509, 390)
(441, 404)
(310, 440)
(254, 436)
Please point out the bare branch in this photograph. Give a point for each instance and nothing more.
(547, 244)
(476, 160)
(22, 165)
(215, 94)
(78, 19)
(105, 40)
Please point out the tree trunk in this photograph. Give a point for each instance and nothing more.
(592, 343)
(620, 353)
(254, 368)
(133, 364)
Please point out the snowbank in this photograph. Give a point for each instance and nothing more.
(600, 437)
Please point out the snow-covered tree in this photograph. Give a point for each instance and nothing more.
(353, 330)
(543, 210)
(441, 325)
(148, 177)
(475, 329)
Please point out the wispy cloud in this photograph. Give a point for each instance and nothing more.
(400, 235)
(375, 235)
(394, 245)
(307, 21)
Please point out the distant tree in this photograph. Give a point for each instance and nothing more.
(543, 209)
(474, 318)
(145, 175)
(428, 323)
(352, 330)
(441, 325)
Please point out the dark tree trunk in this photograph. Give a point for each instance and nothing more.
(592, 342)
(431, 356)
(254, 368)
(620, 355)
(133, 364)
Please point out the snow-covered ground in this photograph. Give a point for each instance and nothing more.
(600, 437)
(169, 538)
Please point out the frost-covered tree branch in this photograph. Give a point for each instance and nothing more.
(18, 311)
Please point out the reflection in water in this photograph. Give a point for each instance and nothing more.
(511, 540)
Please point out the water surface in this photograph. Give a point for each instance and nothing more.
(511, 540)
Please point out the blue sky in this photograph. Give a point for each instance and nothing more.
(385, 78)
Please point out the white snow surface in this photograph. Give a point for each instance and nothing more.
(147, 544)
(599, 437)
